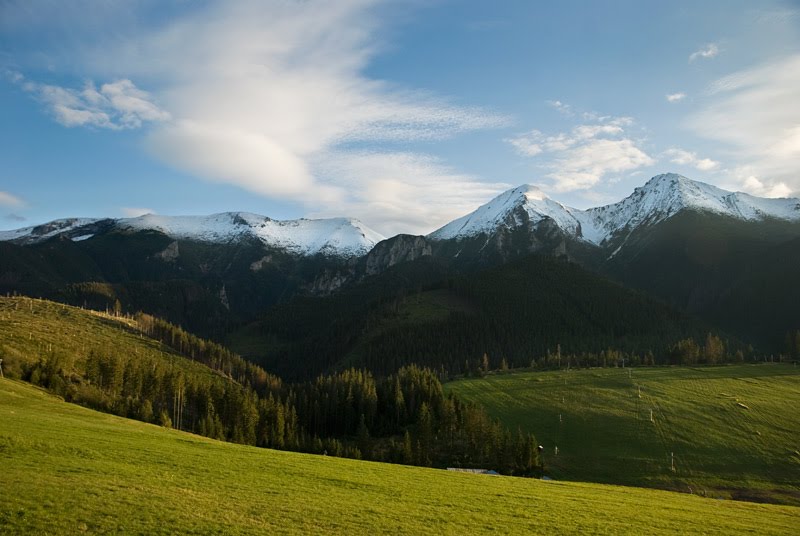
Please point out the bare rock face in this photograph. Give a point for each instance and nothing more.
(260, 263)
(329, 281)
(223, 298)
(170, 254)
(401, 248)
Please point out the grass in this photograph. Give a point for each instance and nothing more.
(67, 469)
(31, 328)
(734, 430)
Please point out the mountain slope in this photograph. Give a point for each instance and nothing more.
(738, 275)
(204, 286)
(422, 312)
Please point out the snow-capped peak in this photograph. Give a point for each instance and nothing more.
(521, 205)
(343, 237)
(660, 198)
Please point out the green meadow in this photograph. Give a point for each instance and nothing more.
(734, 430)
(70, 470)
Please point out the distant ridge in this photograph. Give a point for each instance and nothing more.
(344, 237)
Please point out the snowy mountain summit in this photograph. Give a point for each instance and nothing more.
(660, 198)
(342, 237)
(510, 209)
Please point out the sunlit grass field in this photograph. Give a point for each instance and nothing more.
(734, 430)
(65, 469)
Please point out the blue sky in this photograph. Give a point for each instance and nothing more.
(404, 114)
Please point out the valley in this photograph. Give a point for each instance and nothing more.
(649, 344)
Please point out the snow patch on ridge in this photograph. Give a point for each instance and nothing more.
(334, 236)
(38, 233)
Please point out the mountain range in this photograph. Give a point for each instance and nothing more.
(660, 198)
(728, 259)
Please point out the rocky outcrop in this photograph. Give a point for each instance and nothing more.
(401, 248)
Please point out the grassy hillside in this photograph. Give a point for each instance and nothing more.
(735, 430)
(67, 469)
(32, 329)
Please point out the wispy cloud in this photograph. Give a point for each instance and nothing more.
(16, 218)
(675, 97)
(272, 96)
(688, 158)
(709, 51)
(581, 158)
(754, 114)
(133, 212)
(9, 200)
(562, 107)
(116, 105)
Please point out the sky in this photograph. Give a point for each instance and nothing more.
(405, 114)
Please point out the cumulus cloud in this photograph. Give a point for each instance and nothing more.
(709, 51)
(273, 96)
(757, 187)
(9, 200)
(675, 97)
(688, 158)
(115, 105)
(581, 158)
(754, 114)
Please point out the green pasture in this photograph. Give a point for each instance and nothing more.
(732, 431)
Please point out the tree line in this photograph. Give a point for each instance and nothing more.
(402, 418)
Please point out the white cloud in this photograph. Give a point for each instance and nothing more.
(586, 164)
(687, 158)
(755, 115)
(116, 105)
(410, 191)
(755, 186)
(709, 51)
(272, 95)
(133, 212)
(581, 158)
(675, 97)
(9, 200)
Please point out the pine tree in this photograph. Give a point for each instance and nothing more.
(408, 451)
